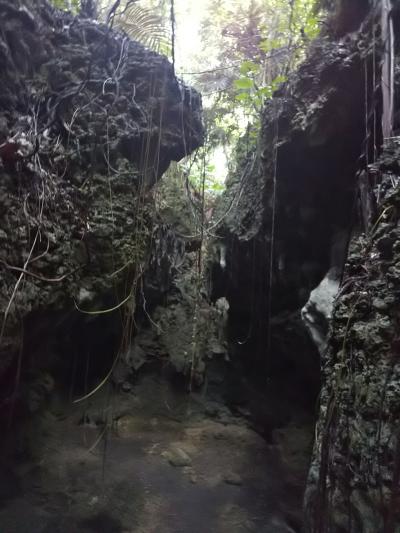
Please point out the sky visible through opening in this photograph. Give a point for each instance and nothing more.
(189, 16)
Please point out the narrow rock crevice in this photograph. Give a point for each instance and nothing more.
(227, 379)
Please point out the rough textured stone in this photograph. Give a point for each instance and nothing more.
(354, 477)
(185, 330)
(292, 206)
(283, 229)
(178, 457)
(89, 120)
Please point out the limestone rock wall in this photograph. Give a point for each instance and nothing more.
(355, 473)
(291, 202)
(298, 199)
(89, 121)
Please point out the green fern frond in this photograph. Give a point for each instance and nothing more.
(145, 26)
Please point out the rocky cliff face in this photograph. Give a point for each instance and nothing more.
(354, 478)
(285, 229)
(89, 121)
(292, 208)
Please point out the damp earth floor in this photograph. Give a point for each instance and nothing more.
(162, 463)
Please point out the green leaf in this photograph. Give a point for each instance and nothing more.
(64, 5)
(244, 83)
(242, 97)
(249, 66)
(279, 79)
(266, 91)
(267, 45)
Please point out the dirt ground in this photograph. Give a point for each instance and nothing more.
(151, 461)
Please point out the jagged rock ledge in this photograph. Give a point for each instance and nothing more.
(89, 120)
